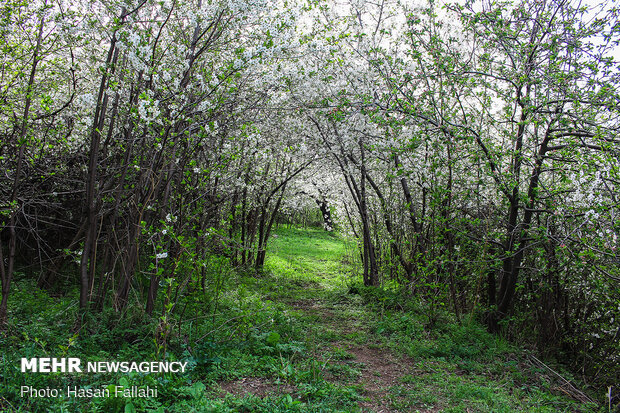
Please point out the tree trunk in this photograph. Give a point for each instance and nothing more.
(87, 262)
(6, 275)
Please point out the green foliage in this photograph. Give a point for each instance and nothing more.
(274, 330)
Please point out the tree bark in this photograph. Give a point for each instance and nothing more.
(6, 274)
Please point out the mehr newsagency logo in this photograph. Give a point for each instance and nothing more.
(75, 365)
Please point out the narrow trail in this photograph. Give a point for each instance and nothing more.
(342, 343)
(361, 357)
(344, 356)
(373, 369)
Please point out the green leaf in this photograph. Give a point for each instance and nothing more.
(273, 338)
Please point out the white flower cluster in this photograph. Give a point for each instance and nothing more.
(148, 110)
(86, 101)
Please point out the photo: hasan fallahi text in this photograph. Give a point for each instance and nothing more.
(90, 392)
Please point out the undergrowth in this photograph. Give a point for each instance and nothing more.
(292, 331)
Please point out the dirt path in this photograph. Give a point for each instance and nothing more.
(378, 368)
(312, 272)
(354, 347)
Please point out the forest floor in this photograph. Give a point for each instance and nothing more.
(303, 336)
(383, 353)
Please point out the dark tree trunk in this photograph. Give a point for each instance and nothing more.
(325, 214)
(87, 262)
(6, 274)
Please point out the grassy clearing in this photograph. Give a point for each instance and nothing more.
(302, 337)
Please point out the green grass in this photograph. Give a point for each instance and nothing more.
(304, 332)
(458, 367)
(312, 256)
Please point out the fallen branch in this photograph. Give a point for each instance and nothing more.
(567, 387)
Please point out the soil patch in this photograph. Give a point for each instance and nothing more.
(257, 386)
